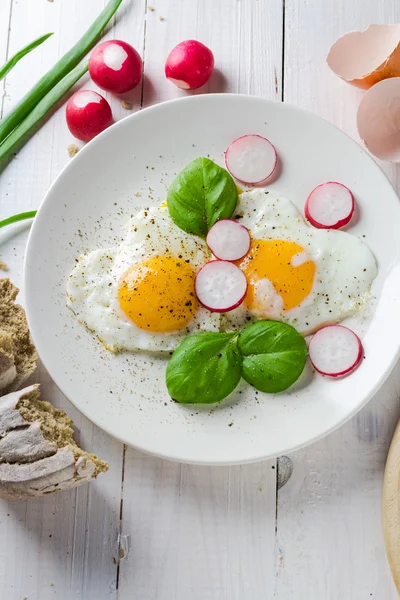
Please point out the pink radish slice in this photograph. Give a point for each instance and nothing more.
(335, 351)
(228, 240)
(251, 159)
(220, 286)
(329, 206)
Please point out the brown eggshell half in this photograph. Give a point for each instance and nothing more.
(378, 119)
(365, 57)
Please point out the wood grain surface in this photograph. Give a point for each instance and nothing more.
(391, 506)
(154, 530)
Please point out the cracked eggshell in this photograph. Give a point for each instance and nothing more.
(378, 119)
(365, 57)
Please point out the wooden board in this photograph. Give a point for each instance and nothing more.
(329, 518)
(191, 528)
(70, 540)
(391, 506)
(150, 528)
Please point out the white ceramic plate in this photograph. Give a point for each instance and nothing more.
(95, 195)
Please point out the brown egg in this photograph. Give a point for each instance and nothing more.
(365, 57)
(378, 119)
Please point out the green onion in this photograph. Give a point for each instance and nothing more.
(58, 72)
(19, 217)
(22, 132)
(10, 64)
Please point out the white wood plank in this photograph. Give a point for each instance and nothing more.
(216, 539)
(196, 532)
(245, 37)
(5, 13)
(329, 514)
(69, 539)
(199, 533)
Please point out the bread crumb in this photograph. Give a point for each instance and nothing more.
(162, 18)
(55, 425)
(126, 105)
(13, 323)
(138, 194)
(3, 266)
(72, 148)
(150, 9)
(8, 371)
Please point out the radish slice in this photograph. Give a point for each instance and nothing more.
(220, 286)
(329, 206)
(335, 351)
(251, 159)
(228, 240)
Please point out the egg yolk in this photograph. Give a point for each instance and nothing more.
(286, 267)
(158, 294)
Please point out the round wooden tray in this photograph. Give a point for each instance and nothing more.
(391, 506)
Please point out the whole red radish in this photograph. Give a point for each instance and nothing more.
(87, 114)
(115, 66)
(189, 65)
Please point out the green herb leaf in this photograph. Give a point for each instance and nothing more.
(59, 71)
(20, 217)
(274, 355)
(10, 64)
(201, 194)
(204, 369)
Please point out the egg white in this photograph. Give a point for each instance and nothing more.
(345, 266)
(92, 287)
(345, 269)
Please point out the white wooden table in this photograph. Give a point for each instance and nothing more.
(154, 530)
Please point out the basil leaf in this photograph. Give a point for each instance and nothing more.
(274, 355)
(204, 369)
(200, 195)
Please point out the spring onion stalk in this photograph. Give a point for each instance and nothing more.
(10, 64)
(22, 132)
(19, 217)
(58, 72)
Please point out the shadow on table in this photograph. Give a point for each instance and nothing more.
(69, 539)
(349, 460)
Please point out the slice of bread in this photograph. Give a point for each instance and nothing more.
(18, 356)
(38, 454)
(8, 371)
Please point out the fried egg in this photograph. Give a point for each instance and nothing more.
(303, 276)
(140, 295)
